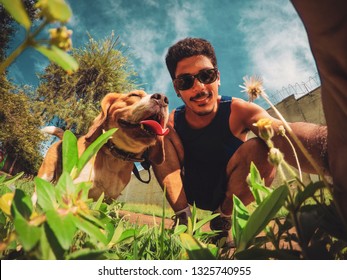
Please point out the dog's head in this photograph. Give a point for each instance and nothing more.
(141, 121)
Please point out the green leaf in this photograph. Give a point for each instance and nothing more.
(97, 221)
(262, 215)
(53, 243)
(204, 221)
(59, 10)
(62, 226)
(256, 184)
(46, 250)
(91, 229)
(308, 192)
(195, 249)
(126, 234)
(21, 210)
(70, 151)
(45, 194)
(16, 9)
(87, 254)
(28, 235)
(82, 189)
(240, 217)
(179, 229)
(10, 181)
(98, 203)
(22, 204)
(117, 234)
(65, 188)
(94, 148)
(58, 56)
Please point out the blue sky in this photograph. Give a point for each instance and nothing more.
(262, 37)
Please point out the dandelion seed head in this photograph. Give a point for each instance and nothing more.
(253, 86)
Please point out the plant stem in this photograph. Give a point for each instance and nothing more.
(29, 41)
(296, 223)
(298, 142)
(295, 155)
(13, 56)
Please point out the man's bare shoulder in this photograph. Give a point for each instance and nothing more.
(240, 104)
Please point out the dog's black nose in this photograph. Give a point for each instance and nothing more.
(160, 97)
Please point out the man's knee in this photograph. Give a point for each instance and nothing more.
(253, 150)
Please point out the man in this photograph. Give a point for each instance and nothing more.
(208, 155)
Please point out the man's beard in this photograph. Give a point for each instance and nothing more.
(205, 113)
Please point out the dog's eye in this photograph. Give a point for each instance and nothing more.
(134, 95)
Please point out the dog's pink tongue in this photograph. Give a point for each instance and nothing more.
(156, 127)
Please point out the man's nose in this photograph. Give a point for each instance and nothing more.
(197, 85)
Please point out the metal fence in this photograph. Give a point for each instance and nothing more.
(298, 89)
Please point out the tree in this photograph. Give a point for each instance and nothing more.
(19, 128)
(73, 100)
(7, 25)
(20, 138)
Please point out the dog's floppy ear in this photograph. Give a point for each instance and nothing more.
(156, 153)
(96, 129)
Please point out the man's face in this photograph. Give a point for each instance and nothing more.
(200, 98)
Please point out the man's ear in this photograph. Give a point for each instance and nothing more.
(156, 153)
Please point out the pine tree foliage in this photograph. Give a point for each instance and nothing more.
(74, 99)
(20, 137)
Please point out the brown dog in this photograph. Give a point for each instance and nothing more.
(141, 120)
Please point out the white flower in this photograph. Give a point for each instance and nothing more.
(253, 86)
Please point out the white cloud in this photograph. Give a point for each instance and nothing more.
(277, 44)
(152, 3)
(145, 35)
(113, 9)
(184, 17)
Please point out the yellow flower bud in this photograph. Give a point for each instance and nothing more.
(281, 130)
(275, 156)
(61, 37)
(266, 131)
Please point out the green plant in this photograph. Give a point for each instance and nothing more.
(60, 222)
(60, 41)
(45, 226)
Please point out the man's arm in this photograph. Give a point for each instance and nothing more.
(312, 136)
(168, 173)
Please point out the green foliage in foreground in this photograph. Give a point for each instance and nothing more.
(60, 222)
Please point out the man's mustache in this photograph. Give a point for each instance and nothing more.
(200, 95)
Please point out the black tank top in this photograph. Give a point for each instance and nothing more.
(206, 155)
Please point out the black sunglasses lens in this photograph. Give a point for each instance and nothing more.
(207, 76)
(184, 82)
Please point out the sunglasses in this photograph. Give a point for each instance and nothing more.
(205, 76)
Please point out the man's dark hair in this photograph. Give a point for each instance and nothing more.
(186, 48)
